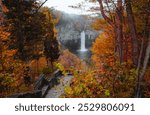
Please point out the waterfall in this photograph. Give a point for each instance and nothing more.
(83, 41)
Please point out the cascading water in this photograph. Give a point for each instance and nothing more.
(83, 41)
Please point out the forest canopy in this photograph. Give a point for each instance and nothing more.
(120, 55)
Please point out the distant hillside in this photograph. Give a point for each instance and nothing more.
(70, 26)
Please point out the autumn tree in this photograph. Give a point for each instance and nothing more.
(69, 60)
(131, 23)
(1, 33)
(51, 45)
(136, 39)
(141, 13)
(25, 26)
(9, 76)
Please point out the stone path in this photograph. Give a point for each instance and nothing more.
(58, 90)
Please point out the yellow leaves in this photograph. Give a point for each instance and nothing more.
(89, 78)
(83, 85)
(68, 90)
(55, 31)
(78, 89)
(107, 92)
(99, 24)
(61, 68)
(55, 21)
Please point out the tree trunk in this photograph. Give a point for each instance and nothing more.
(141, 75)
(20, 35)
(103, 13)
(145, 39)
(126, 48)
(140, 56)
(119, 30)
(132, 27)
(117, 25)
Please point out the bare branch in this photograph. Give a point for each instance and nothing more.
(103, 13)
(41, 6)
(109, 11)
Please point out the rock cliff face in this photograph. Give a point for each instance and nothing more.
(70, 27)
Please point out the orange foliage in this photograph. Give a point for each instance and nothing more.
(103, 50)
(37, 66)
(3, 35)
(69, 60)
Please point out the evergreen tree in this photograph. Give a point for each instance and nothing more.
(51, 45)
(25, 26)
